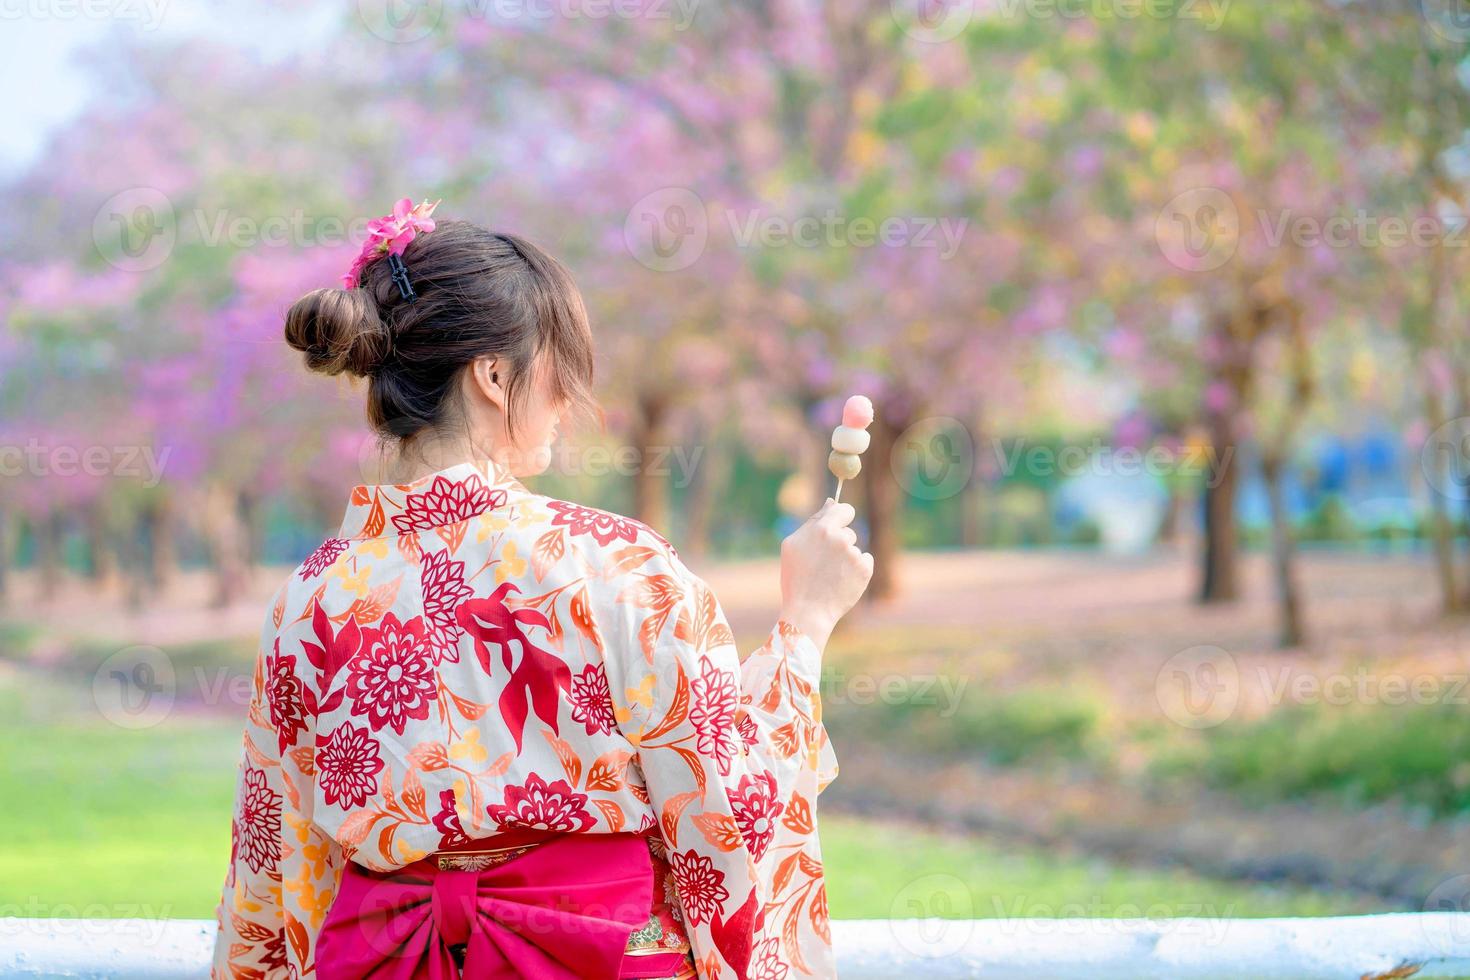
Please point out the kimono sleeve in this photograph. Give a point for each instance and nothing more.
(281, 873)
(733, 754)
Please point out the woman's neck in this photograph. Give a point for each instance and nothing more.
(423, 456)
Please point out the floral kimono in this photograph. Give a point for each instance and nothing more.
(470, 668)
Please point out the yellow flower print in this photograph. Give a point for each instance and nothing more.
(301, 825)
(469, 749)
(408, 854)
(491, 524)
(511, 564)
(373, 548)
(643, 693)
(313, 901)
(356, 584)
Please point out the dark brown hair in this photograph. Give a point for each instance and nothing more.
(480, 294)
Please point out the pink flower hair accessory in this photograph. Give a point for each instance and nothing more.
(390, 235)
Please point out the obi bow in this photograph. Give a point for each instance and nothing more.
(562, 910)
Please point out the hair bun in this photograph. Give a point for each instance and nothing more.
(338, 330)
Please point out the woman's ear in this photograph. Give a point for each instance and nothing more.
(486, 372)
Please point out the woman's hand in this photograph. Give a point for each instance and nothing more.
(823, 574)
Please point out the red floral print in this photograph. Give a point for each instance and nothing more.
(591, 701)
(284, 698)
(445, 503)
(701, 886)
(766, 963)
(605, 528)
(258, 826)
(451, 833)
(347, 764)
(542, 806)
(323, 558)
(712, 711)
(538, 665)
(392, 679)
(444, 589)
(756, 808)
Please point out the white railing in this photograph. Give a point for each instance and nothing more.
(1437, 944)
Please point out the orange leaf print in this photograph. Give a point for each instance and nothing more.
(376, 520)
(785, 741)
(296, 933)
(411, 548)
(821, 920)
(639, 793)
(278, 611)
(582, 618)
(624, 560)
(810, 866)
(501, 765)
(305, 758)
(788, 936)
(696, 764)
(385, 838)
(568, 756)
(413, 795)
(354, 829)
(720, 829)
(606, 774)
(678, 710)
(673, 807)
(614, 814)
(257, 758)
(547, 551)
(453, 534)
(798, 815)
(375, 606)
(360, 496)
(429, 756)
(470, 709)
(657, 592)
(784, 872)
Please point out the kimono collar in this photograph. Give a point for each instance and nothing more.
(440, 499)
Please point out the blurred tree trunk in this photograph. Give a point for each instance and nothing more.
(159, 533)
(101, 552)
(50, 542)
(1283, 554)
(4, 551)
(1441, 522)
(972, 495)
(252, 521)
(225, 537)
(884, 506)
(1221, 579)
(650, 486)
(711, 474)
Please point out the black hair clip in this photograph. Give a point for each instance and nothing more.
(400, 277)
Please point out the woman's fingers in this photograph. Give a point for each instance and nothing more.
(835, 514)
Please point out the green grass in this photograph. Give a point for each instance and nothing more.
(1416, 754)
(104, 822)
(1032, 724)
(877, 871)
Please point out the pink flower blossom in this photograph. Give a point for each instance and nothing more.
(390, 235)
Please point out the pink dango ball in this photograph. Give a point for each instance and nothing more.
(858, 412)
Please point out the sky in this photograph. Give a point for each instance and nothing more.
(43, 45)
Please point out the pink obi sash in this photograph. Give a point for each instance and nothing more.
(522, 904)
